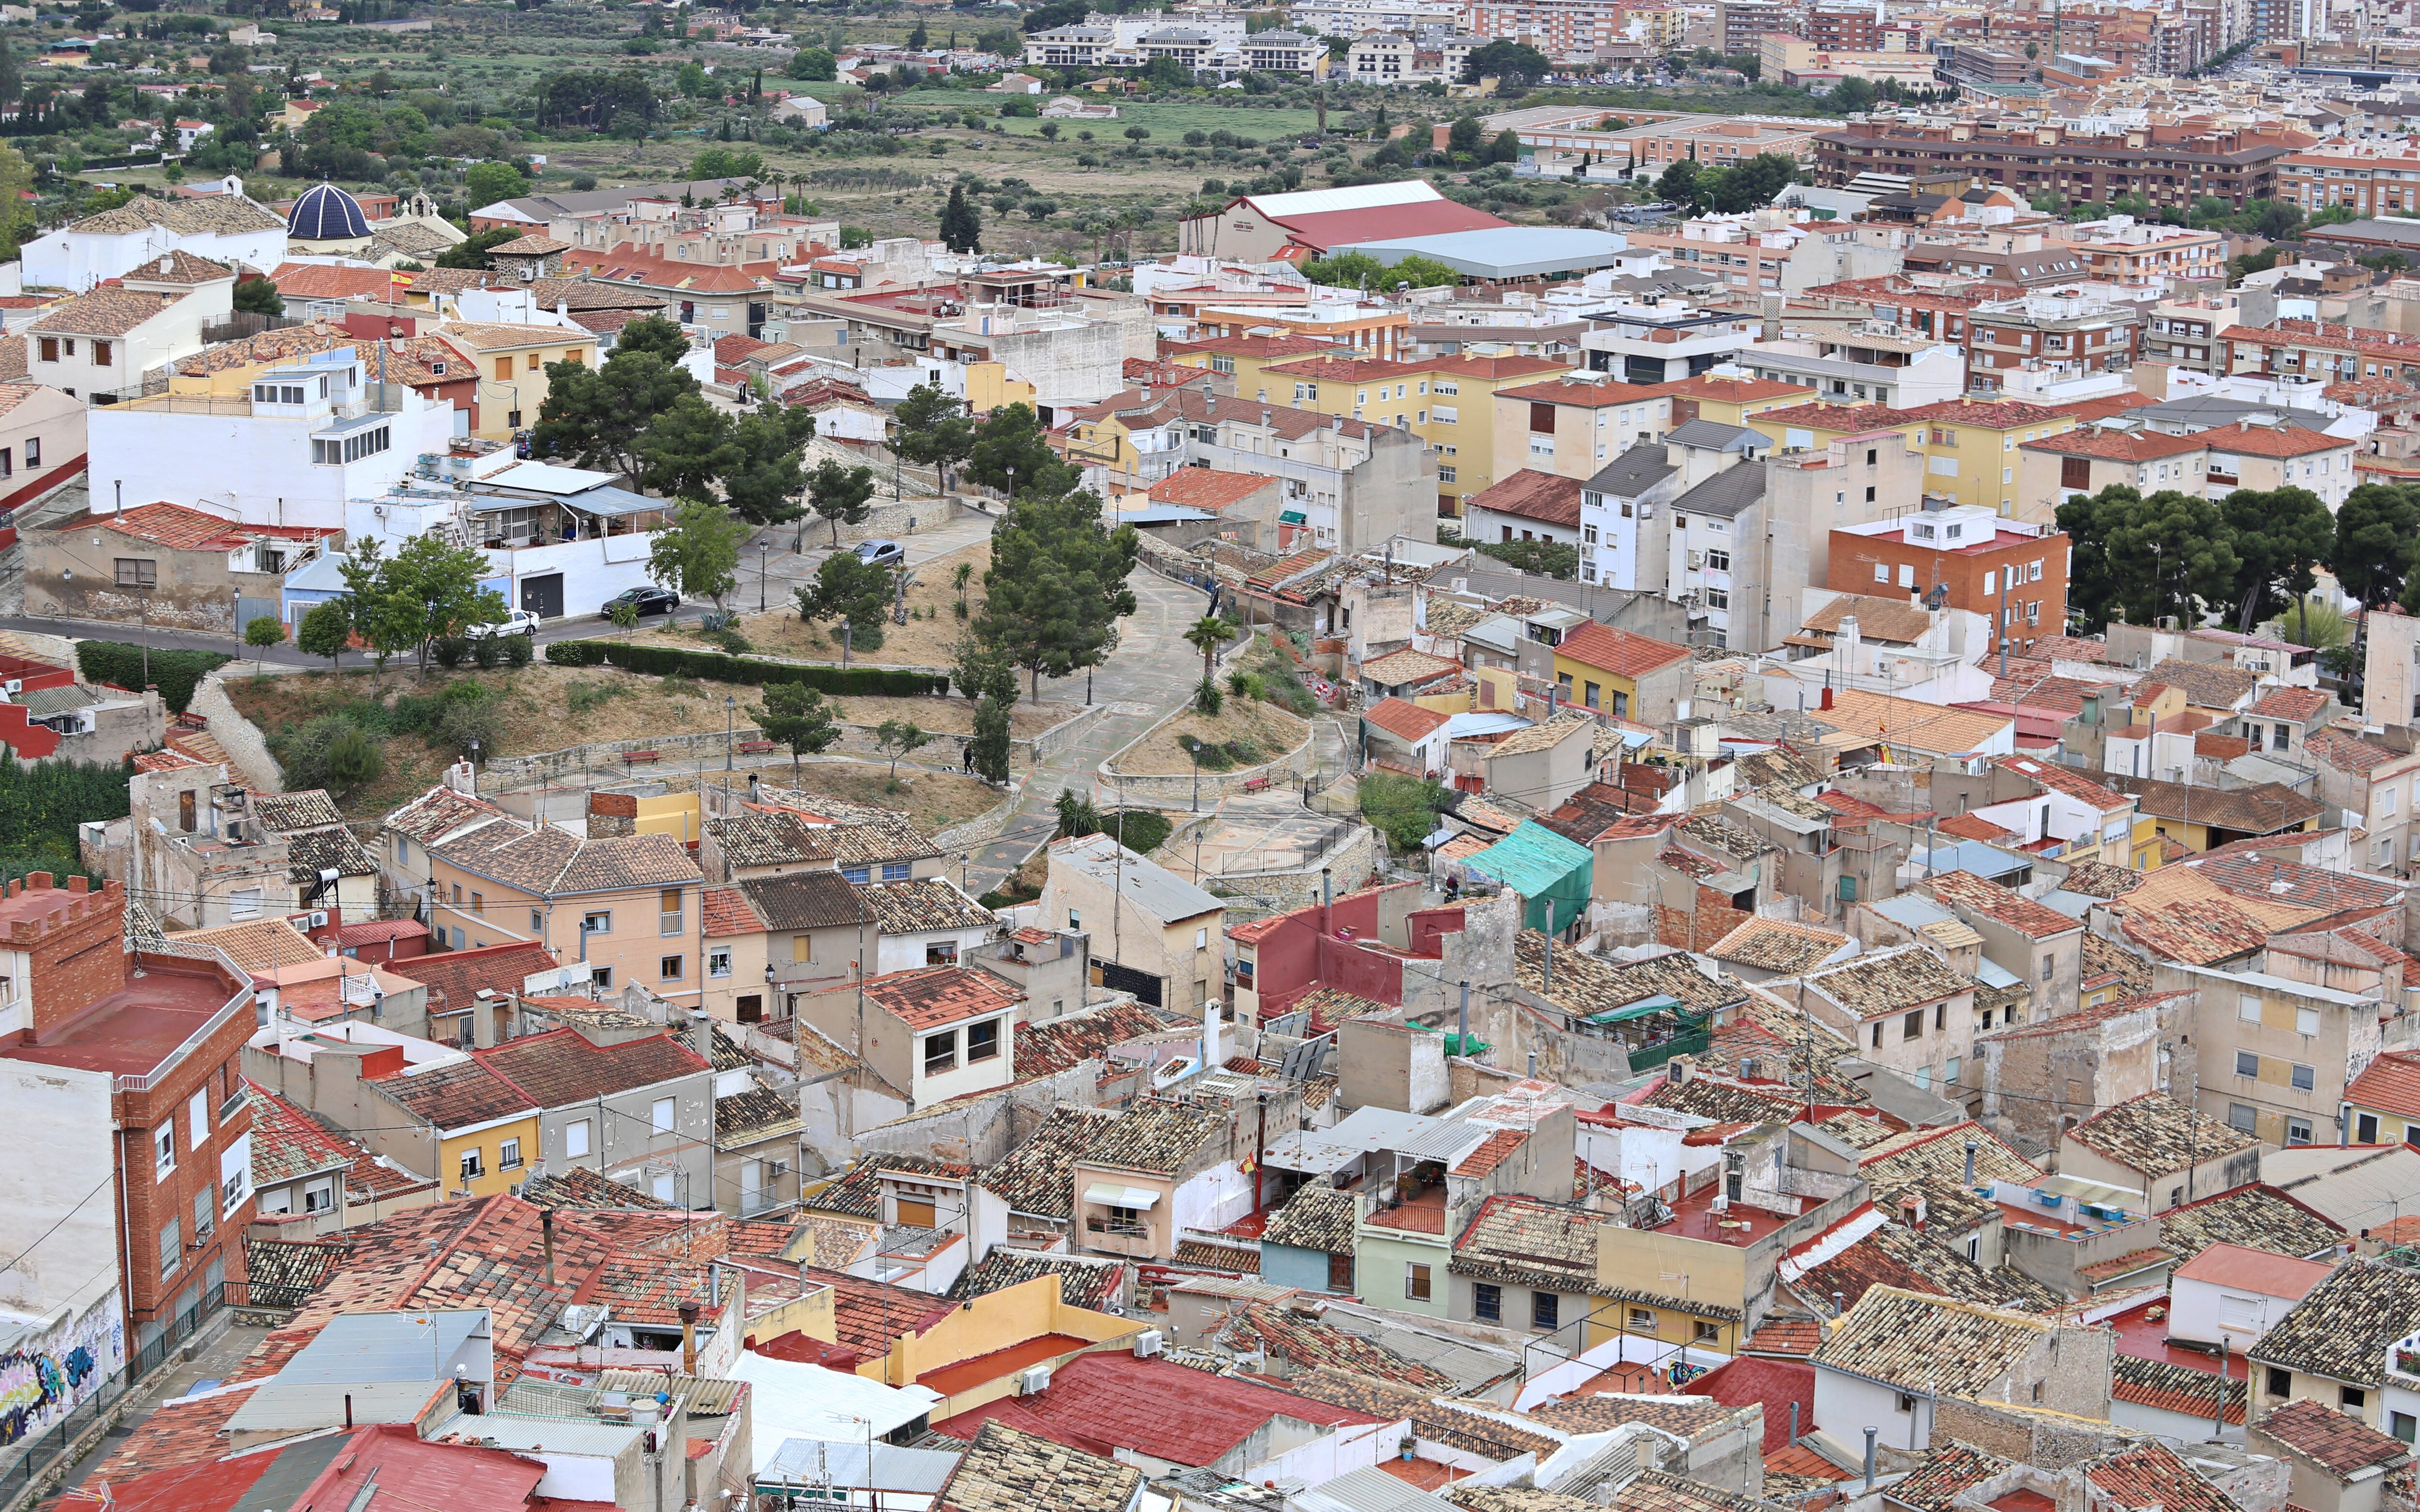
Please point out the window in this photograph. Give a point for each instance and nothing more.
(2246, 1063)
(533, 362)
(2049, 964)
(1416, 1281)
(1719, 562)
(1904, 1402)
(537, 924)
(2351, 1398)
(203, 1216)
(914, 1212)
(1488, 1303)
(940, 1052)
(600, 922)
(941, 952)
(320, 1195)
(2297, 1131)
(473, 1167)
(2242, 1118)
(337, 450)
(137, 572)
(50, 348)
(2247, 1008)
(1878, 1034)
(163, 1149)
(982, 1041)
(896, 871)
(2305, 1078)
(575, 1138)
(718, 962)
(198, 1118)
(1911, 1027)
(857, 874)
(2366, 1129)
(2280, 1382)
(659, 1116)
(669, 967)
(1546, 1310)
(2306, 1020)
(669, 908)
(1949, 1073)
(478, 902)
(604, 975)
(172, 1247)
(504, 368)
(508, 1155)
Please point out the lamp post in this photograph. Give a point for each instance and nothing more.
(843, 645)
(764, 550)
(730, 709)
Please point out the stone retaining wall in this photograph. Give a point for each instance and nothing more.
(247, 748)
(1178, 789)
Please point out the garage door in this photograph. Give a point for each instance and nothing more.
(543, 594)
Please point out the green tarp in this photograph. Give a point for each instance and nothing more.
(1551, 874)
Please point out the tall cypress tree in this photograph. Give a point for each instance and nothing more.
(961, 223)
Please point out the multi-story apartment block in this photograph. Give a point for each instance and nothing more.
(2055, 336)
(2141, 254)
(1744, 22)
(1447, 401)
(2188, 333)
(2320, 349)
(2010, 573)
(1558, 28)
(1283, 51)
(2167, 165)
(2366, 178)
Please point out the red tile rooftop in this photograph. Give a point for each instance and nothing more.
(1426, 1475)
(132, 1030)
(2147, 1338)
(1250, 1225)
(964, 1375)
(1694, 1217)
(2013, 1213)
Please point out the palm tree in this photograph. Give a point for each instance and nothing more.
(1206, 635)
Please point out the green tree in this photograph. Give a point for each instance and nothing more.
(489, 182)
(918, 40)
(1009, 445)
(2280, 537)
(1516, 65)
(351, 760)
(426, 591)
(1679, 185)
(839, 493)
(814, 63)
(657, 335)
(989, 747)
(257, 295)
(1057, 586)
(601, 416)
(983, 669)
(1463, 138)
(961, 223)
(1401, 807)
(1206, 635)
(798, 716)
(691, 81)
(326, 629)
(2147, 557)
(1164, 73)
(847, 587)
(2375, 527)
(768, 472)
(260, 633)
(898, 737)
(1506, 148)
(687, 448)
(696, 555)
(472, 253)
(16, 207)
(931, 430)
(625, 616)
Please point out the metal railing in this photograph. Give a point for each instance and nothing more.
(39, 1455)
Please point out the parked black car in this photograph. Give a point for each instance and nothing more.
(649, 601)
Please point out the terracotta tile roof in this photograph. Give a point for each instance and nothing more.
(2158, 1135)
(455, 1095)
(1005, 1470)
(1964, 889)
(1155, 1135)
(287, 1144)
(2296, 705)
(1476, 1427)
(560, 1067)
(1900, 721)
(321, 281)
(2342, 1327)
(174, 526)
(1930, 1163)
(1897, 619)
(2198, 931)
(262, 946)
(439, 812)
(1102, 1403)
(549, 862)
(1407, 667)
(1776, 945)
(1739, 390)
(2272, 441)
(2207, 684)
(1200, 1254)
(727, 913)
(756, 1114)
(1890, 981)
(1929, 1343)
(1619, 651)
(1587, 395)
(1991, 415)
(2065, 779)
(1529, 1242)
(454, 978)
(1946, 1470)
(770, 837)
(1405, 720)
(2298, 884)
(2341, 1445)
(1208, 489)
(1897, 1255)
(1792, 1337)
(1856, 1130)
(2095, 879)
(1544, 497)
(922, 906)
(805, 900)
(2257, 1216)
(1684, 1416)
(927, 997)
(2152, 1475)
(1038, 1176)
(2174, 1388)
(104, 311)
(1838, 418)
(1098, 1285)
(1316, 1217)
(2116, 446)
(1048, 1046)
(2390, 1084)
(1302, 1340)
(1491, 1153)
(582, 1189)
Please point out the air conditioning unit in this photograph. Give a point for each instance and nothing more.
(777, 1167)
(1697, 561)
(1033, 1378)
(319, 918)
(14, 685)
(1147, 1343)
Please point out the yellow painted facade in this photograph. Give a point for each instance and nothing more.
(512, 363)
(1969, 447)
(514, 1141)
(1447, 401)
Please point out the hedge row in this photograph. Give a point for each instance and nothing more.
(178, 672)
(716, 667)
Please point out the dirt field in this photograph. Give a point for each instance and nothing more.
(935, 800)
(920, 643)
(1268, 728)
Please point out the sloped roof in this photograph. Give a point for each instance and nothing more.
(1932, 1343)
(1619, 651)
(2158, 1134)
(1544, 497)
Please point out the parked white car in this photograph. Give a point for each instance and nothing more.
(519, 621)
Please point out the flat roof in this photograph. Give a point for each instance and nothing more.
(133, 1030)
(1504, 252)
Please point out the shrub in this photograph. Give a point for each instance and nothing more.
(451, 651)
(869, 682)
(587, 698)
(732, 643)
(176, 673)
(486, 653)
(352, 759)
(520, 650)
(468, 722)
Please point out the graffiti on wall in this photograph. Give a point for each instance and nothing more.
(43, 1377)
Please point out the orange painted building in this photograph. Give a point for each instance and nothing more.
(2012, 574)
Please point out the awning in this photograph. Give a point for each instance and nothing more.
(1120, 1197)
(1291, 517)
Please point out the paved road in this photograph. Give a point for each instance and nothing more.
(1151, 672)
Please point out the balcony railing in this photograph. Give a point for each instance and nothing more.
(1117, 1226)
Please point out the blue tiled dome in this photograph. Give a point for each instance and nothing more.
(326, 213)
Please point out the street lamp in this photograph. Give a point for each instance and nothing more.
(764, 550)
(730, 708)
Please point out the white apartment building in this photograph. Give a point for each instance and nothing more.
(99, 346)
(225, 229)
(309, 437)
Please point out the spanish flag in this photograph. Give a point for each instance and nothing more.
(397, 279)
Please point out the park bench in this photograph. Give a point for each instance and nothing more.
(635, 757)
(1255, 784)
(755, 748)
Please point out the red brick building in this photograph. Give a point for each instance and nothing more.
(157, 1039)
(2012, 574)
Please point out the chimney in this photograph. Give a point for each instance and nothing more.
(689, 1339)
(1846, 646)
(1678, 1070)
(546, 1233)
(1970, 1163)
(1911, 1209)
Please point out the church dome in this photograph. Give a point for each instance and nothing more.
(327, 213)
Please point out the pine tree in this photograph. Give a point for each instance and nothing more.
(961, 223)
